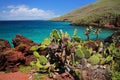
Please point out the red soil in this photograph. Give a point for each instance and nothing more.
(14, 76)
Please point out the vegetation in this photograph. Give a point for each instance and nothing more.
(97, 14)
(70, 57)
(88, 31)
(97, 31)
(65, 46)
(25, 69)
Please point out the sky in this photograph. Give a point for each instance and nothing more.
(38, 9)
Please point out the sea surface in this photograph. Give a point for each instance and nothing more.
(37, 30)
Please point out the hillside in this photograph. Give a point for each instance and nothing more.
(101, 13)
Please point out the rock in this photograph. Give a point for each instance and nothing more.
(88, 65)
(29, 58)
(21, 39)
(13, 56)
(2, 62)
(4, 44)
(11, 60)
(113, 23)
(91, 45)
(83, 63)
(96, 74)
(53, 46)
(25, 49)
(115, 37)
(99, 74)
(63, 76)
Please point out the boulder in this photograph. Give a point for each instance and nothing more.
(96, 74)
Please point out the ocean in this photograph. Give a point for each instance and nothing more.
(37, 30)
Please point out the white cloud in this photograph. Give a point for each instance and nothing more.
(23, 12)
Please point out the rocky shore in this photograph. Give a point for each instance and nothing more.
(12, 58)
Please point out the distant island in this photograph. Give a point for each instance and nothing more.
(102, 13)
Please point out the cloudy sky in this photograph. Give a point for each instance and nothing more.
(38, 9)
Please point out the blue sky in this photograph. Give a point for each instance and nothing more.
(38, 9)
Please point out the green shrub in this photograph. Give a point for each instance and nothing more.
(25, 69)
(115, 75)
(39, 76)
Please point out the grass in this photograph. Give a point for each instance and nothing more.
(39, 76)
(25, 69)
(99, 10)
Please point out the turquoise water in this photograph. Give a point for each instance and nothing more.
(38, 30)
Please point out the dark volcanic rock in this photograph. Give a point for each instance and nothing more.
(4, 44)
(97, 74)
(21, 39)
(115, 37)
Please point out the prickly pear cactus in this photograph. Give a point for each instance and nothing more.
(56, 34)
(109, 58)
(46, 42)
(86, 52)
(94, 59)
(98, 55)
(42, 59)
(117, 53)
(36, 54)
(76, 38)
(102, 61)
(79, 54)
(34, 48)
(75, 32)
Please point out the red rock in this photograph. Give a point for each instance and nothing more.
(12, 60)
(63, 76)
(21, 39)
(2, 62)
(4, 44)
(14, 56)
(29, 58)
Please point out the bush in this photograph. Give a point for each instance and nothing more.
(115, 75)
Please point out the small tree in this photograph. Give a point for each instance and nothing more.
(97, 32)
(87, 32)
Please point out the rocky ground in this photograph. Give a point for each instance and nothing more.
(20, 55)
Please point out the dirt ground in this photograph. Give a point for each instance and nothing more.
(13, 76)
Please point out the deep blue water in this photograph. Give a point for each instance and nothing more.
(38, 30)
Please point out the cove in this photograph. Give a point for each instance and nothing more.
(37, 30)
